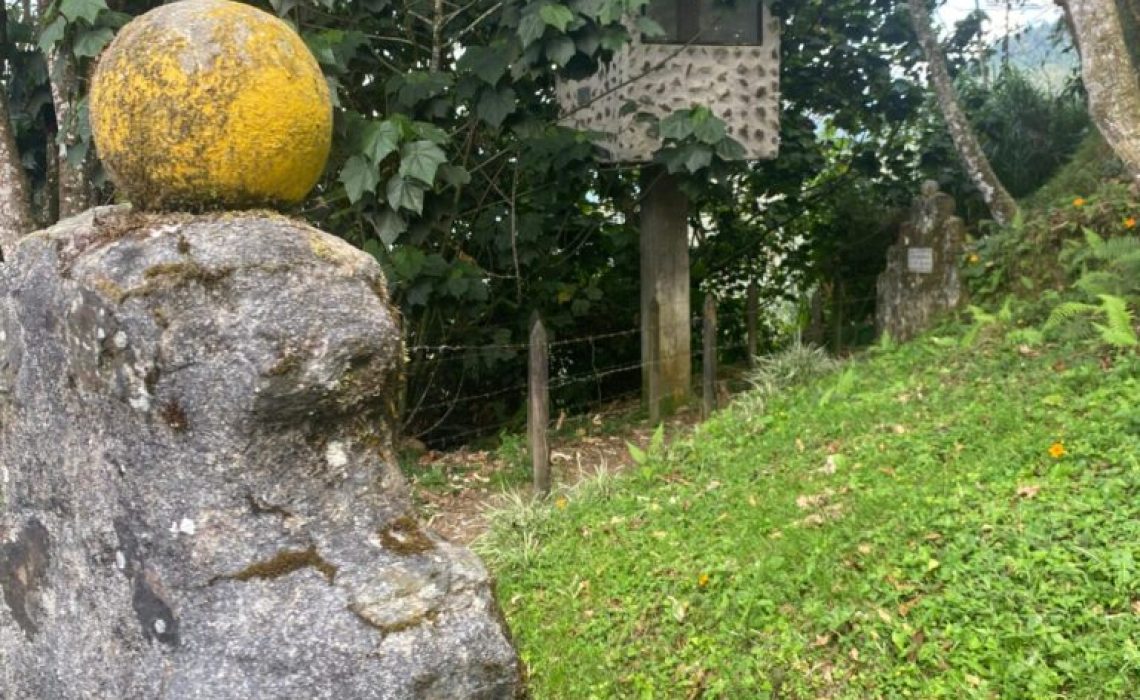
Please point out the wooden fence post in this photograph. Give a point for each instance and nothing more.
(538, 405)
(651, 362)
(752, 312)
(708, 363)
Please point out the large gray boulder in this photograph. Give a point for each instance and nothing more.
(198, 497)
(921, 283)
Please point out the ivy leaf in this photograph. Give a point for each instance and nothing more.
(710, 130)
(649, 27)
(431, 132)
(454, 175)
(560, 49)
(677, 125)
(52, 34)
(531, 28)
(91, 42)
(82, 9)
(730, 149)
(487, 62)
(495, 105)
(557, 16)
(420, 160)
(405, 193)
(359, 176)
(380, 140)
(697, 157)
(389, 226)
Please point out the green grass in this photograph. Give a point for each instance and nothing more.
(897, 528)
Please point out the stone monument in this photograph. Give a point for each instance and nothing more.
(198, 493)
(921, 280)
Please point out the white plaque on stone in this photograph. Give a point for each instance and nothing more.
(920, 260)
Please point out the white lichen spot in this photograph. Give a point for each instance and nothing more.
(120, 340)
(141, 402)
(160, 625)
(335, 455)
(120, 560)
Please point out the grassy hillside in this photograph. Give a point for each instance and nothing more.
(938, 519)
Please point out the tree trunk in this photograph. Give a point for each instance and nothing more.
(74, 189)
(1002, 206)
(15, 206)
(74, 193)
(1106, 67)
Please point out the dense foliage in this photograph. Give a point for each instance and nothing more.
(451, 168)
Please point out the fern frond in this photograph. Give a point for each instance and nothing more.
(1067, 312)
(1099, 282)
(981, 316)
(1005, 314)
(1116, 248)
(1117, 330)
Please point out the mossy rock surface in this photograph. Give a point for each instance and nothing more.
(210, 104)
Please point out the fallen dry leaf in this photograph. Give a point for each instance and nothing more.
(1028, 492)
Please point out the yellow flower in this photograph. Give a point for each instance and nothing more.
(560, 503)
(973, 259)
(703, 580)
(1057, 450)
(1130, 222)
(1079, 202)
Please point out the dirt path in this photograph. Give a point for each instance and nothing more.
(453, 490)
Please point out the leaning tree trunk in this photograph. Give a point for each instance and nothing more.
(15, 207)
(1110, 80)
(1001, 205)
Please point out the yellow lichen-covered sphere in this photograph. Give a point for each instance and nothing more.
(210, 104)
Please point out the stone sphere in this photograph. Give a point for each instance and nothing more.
(210, 104)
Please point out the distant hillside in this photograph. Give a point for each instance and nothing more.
(1042, 52)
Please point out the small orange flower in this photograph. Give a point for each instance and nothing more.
(703, 580)
(1130, 222)
(1057, 450)
(1079, 202)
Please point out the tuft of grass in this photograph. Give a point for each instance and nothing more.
(934, 521)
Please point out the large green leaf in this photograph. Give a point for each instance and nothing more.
(487, 62)
(730, 149)
(52, 34)
(405, 193)
(389, 225)
(678, 125)
(560, 49)
(86, 10)
(89, 43)
(710, 130)
(380, 140)
(495, 105)
(359, 177)
(557, 16)
(420, 160)
(697, 157)
(531, 28)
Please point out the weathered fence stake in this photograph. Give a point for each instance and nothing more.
(708, 362)
(538, 406)
(753, 311)
(650, 359)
